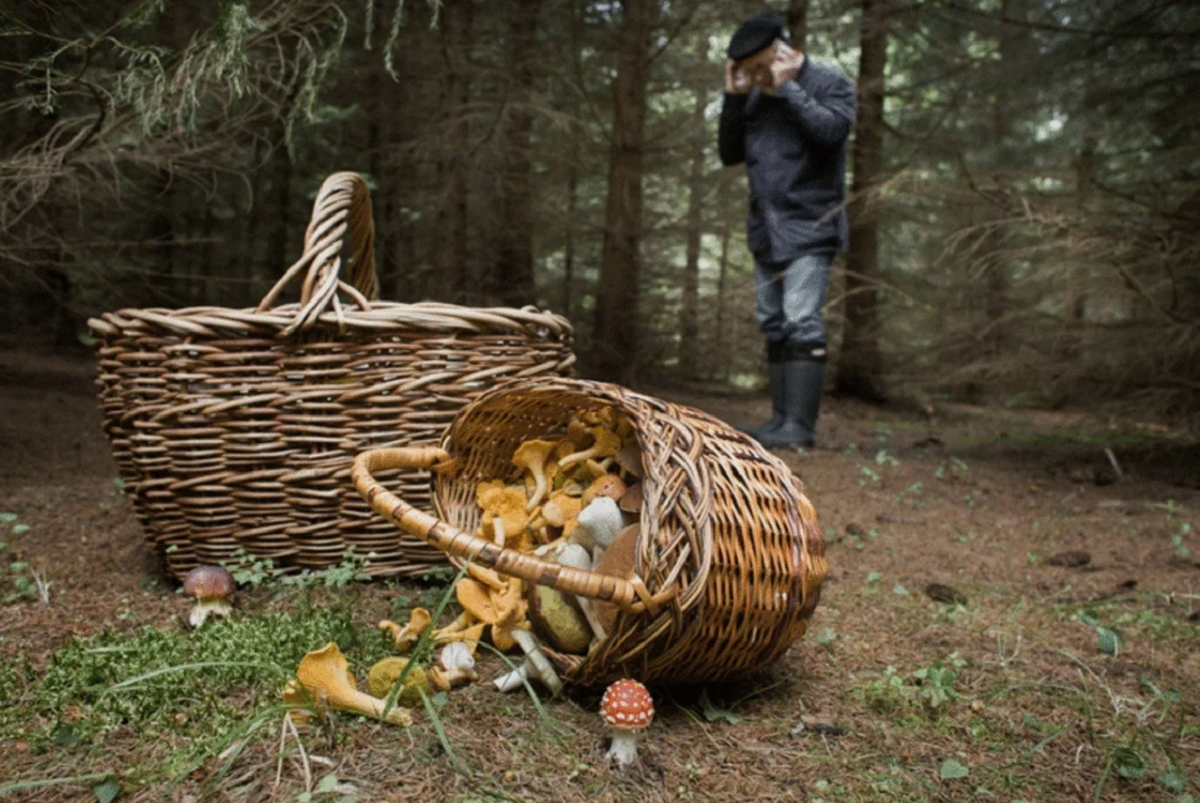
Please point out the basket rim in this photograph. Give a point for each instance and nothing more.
(379, 317)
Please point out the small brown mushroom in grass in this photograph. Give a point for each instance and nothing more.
(212, 587)
(628, 710)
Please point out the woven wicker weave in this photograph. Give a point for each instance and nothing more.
(730, 559)
(236, 428)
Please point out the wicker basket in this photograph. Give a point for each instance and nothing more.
(237, 428)
(730, 559)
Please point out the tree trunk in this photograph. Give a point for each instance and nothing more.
(574, 156)
(453, 257)
(281, 202)
(797, 22)
(722, 273)
(616, 323)
(995, 264)
(861, 365)
(689, 323)
(512, 278)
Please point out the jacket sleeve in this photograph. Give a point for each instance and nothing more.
(825, 114)
(731, 133)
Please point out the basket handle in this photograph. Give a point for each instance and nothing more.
(628, 595)
(343, 202)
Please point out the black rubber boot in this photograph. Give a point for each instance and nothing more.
(775, 375)
(804, 382)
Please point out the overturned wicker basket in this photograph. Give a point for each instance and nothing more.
(730, 559)
(236, 428)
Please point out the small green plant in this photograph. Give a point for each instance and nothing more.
(889, 692)
(883, 458)
(937, 680)
(911, 491)
(951, 470)
(869, 475)
(1177, 540)
(1109, 641)
(19, 581)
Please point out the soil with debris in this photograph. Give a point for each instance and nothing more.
(1010, 614)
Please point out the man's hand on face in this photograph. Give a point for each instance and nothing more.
(737, 81)
(784, 68)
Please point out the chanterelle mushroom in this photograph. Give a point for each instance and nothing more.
(606, 444)
(212, 587)
(627, 709)
(532, 456)
(323, 680)
(405, 637)
(503, 509)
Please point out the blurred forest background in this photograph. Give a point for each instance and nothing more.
(1026, 177)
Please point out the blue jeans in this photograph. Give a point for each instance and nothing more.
(790, 297)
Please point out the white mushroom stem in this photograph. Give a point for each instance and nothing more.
(577, 557)
(624, 746)
(514, 679)
(598, 525)
(203, 608)
(542, 669)
(498, 530)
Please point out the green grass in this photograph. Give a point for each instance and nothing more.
(186, 691)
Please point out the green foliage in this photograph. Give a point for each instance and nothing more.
(932, 686)
(952, 770)
(1109, 641)
(206, 682)
(252, 571)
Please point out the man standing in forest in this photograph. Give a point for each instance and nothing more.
(788, 118)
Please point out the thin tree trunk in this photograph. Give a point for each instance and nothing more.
(689, 323)
(861, 365)
(722, 273)
(281, 204)
(797, 22)
(513, 278)
(616, 329)
(453, 257)
(995, 266)
(574, 155)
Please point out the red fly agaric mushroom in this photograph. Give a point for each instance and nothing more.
(627, 709)
(212, 587)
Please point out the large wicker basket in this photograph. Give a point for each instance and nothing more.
(730, 559)
(236, 428)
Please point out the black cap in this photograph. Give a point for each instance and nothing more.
(755, 34)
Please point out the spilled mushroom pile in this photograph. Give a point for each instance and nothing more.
(576, 502)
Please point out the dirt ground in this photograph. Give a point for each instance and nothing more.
(1011, 695)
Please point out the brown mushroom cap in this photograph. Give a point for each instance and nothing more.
(609, 485)
(627, 705)
(209, 582)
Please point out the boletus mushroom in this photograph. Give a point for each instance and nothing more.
(212, 587)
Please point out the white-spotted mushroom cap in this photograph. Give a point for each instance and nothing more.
(627, 705)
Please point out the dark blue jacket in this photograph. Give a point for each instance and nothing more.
(794, 147)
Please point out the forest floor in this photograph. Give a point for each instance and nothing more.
(1003, 688)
